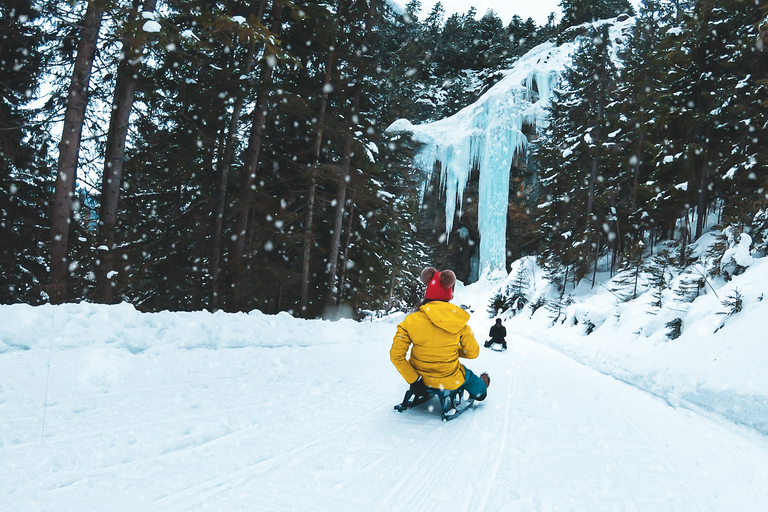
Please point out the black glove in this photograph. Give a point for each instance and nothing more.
(418, 388)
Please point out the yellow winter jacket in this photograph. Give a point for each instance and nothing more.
(440, 335)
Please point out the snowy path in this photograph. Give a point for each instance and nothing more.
(312, 428)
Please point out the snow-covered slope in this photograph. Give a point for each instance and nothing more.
(716, 366)
(105, 408)
(489, 133)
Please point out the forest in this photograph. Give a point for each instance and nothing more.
(232, 155)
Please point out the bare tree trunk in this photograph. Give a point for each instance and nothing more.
(701, 205)
(332, 297)
(69, 150)
(311, 191)
(308, 242)
(591, 190)
(636, 173)
(341, 197)
(114, 158)
(345, 252)
(252, 155)
(224, 170)
(597, 258)
(685, 238)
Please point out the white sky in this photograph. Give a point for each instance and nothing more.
(505, 9)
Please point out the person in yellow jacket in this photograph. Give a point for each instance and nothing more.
(438, 335)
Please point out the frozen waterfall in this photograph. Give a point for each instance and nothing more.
(487, 135)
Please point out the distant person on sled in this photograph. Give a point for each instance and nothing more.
(438, 335)
(498, 334)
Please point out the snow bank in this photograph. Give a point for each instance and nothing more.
(71, 326)
(717, 364)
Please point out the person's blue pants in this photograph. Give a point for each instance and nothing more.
(475, 386)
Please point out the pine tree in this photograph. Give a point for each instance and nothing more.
(744, 67)
(69, 152)
(572, 155)
(635, 111)
(127, 73)
(628, 283)
(24, 187)
(576, 12)
(657, 279)
(172, 200)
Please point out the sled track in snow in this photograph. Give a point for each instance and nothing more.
(191, 497)
(422, 485)
(499, 454)
(415, 479)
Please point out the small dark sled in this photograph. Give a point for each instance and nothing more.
(451, 403)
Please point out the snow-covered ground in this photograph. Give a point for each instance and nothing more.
(717, 367)
(105, 408)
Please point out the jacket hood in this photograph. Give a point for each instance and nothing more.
(445, 315)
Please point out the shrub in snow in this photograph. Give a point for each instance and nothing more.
(514, 296)
(557, 275)
(501, 303)
(687, 287)
(657, 279)
(737, 257)
(498, 304)
(539, 303)
(759, 230)
(715, 253)
(558, 308)
(629, 283)
(675, 328)
(733, 303)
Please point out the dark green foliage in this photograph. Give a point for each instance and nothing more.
(515, 297)
(685, 136)
(498, 305)
(572, 156)
(539, 303)
(558, 308)
(628, 282)
(675, 328)
(576, 12)
(24, 185)
(437, 66)
(688, 287)
(195, 70)
(759, 227)
(715, 253)
(519, 289)
(733, 303)
(631, 155)
(657, 279)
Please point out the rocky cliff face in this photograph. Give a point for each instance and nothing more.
(459, 250)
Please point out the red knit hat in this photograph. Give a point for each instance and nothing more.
(439, 284)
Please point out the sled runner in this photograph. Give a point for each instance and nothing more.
(451, 403)
(492, 345)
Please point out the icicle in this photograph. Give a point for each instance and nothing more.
(487, 135)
